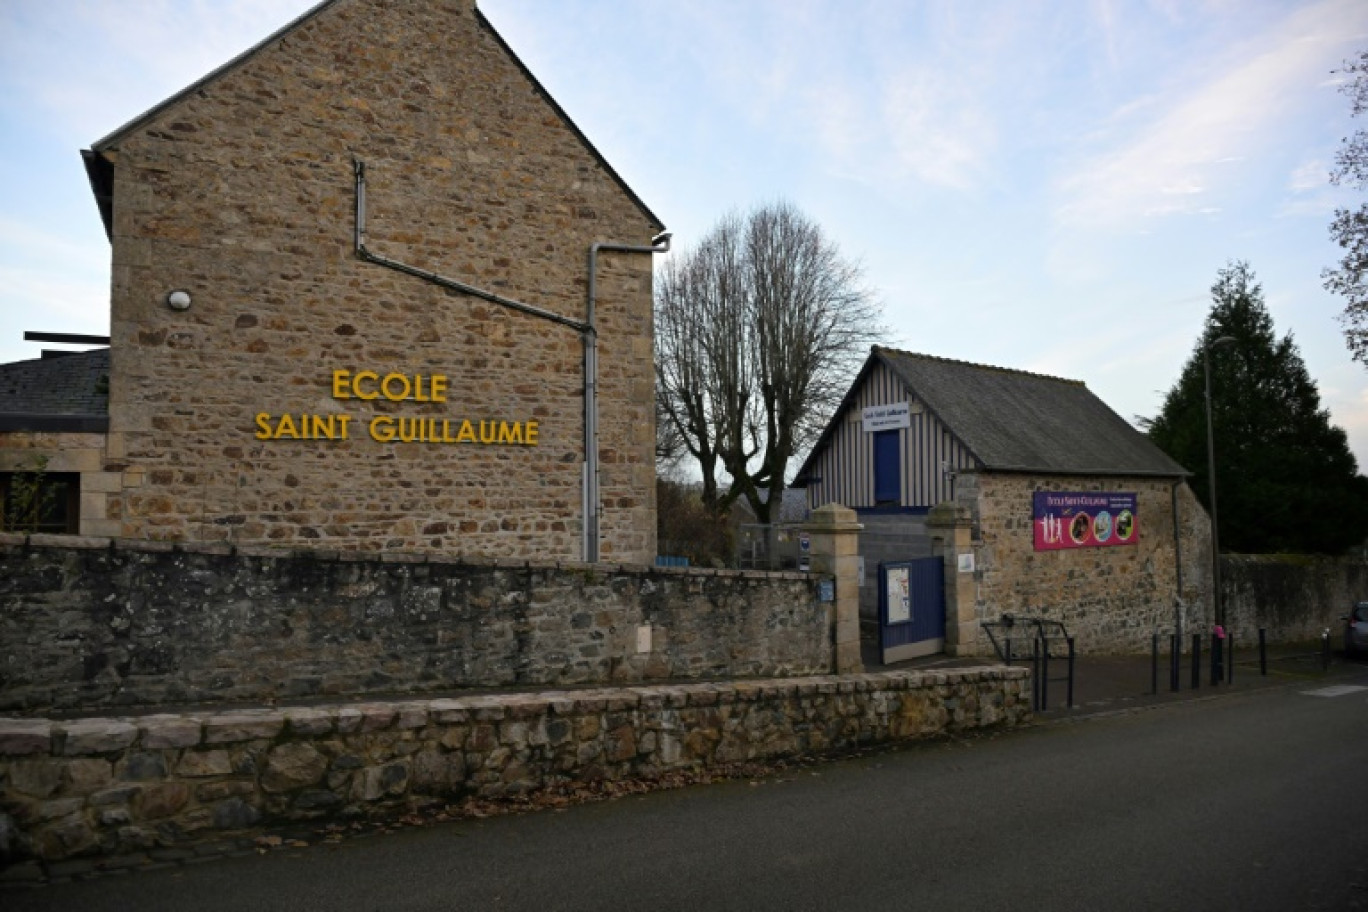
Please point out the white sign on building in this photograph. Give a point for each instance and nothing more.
(886, 417)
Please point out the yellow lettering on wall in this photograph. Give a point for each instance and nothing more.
(341, 384)
(467, 432)
(322, 426)
(356, 385)
(342, 421)
(382, 428)
(510, 433)
(393, 396)
(531, 437)
(286, 428)
(439, 386)
(263, 421)
(489, 431)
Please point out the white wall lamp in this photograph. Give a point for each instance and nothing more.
(178, 300)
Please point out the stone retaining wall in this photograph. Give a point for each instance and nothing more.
(87, 624)
(157, 784)
(1294, 597)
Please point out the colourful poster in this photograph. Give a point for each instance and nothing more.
(1075, 519)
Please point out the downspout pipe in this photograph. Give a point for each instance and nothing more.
(1177, 559)
(359, 243)
(587, 329)
(592, 508)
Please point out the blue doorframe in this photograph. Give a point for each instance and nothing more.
(887, 468)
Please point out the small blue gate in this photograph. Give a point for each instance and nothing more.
(911, 609)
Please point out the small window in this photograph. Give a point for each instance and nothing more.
(40, 502)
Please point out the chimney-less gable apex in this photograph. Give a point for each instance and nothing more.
(100, 159)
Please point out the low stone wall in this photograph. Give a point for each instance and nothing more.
(88, 623)
(158, 784)
(1294, 597)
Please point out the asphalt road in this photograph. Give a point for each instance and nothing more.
(1247, 802)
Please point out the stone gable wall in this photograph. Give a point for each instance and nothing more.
(241, 194)
(1111, 599)
(91, 623)
(152, 789)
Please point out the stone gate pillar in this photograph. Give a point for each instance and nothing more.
(950, 527)
(834, 538)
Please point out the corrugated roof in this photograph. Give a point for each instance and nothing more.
(71, 386)
(1015, 421)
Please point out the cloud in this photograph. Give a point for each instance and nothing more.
(1309, 175)
(1164, 158)
(938, 132)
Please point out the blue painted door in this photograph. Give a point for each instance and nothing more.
(911, 608)
(887, 468)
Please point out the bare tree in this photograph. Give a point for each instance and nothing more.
(1350, 227)
(758, 332)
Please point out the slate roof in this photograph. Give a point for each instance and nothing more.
(66, 393)
(1015, 421)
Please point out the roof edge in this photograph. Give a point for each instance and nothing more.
(1116, 473)
(54, 423)
(979, 366)
(106, 142)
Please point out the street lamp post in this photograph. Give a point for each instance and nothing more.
(1211, 479)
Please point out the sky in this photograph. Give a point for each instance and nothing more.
(1049, 185)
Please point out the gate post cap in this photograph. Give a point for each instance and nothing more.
(833, 517)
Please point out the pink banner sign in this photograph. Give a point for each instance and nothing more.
(1076, 519)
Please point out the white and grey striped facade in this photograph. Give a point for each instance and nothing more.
(842, 468)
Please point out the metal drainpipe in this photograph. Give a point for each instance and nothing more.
(1177, 560)
(659, 244)
(587, 330)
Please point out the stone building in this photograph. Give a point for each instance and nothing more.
(372, 290)
(1065, 511)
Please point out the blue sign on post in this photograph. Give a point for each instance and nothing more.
(826, 591)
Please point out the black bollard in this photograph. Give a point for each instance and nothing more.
(1035, 674)
(1263, 651)
(1325, 651)
(1196, 661)
(1154, 664)
(1044, 675)
(1175, 676)
(1217, 674)
(1230, 657)
(1069, 701)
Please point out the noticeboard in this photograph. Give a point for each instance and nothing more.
(895, 593)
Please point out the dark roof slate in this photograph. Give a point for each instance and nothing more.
(75, 384)
(1016, 421)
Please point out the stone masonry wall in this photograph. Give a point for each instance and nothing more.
(1110, 599)
(90, 623)
(150, 788)
(1293, 597)
(241, 194)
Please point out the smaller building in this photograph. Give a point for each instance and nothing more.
(1073, 514)
(54, 413)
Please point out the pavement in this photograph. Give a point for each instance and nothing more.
(1118, 683)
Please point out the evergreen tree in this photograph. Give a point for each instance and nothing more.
(1286, 480)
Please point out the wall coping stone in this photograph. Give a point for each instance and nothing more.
(22, 737)
(266, 552)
